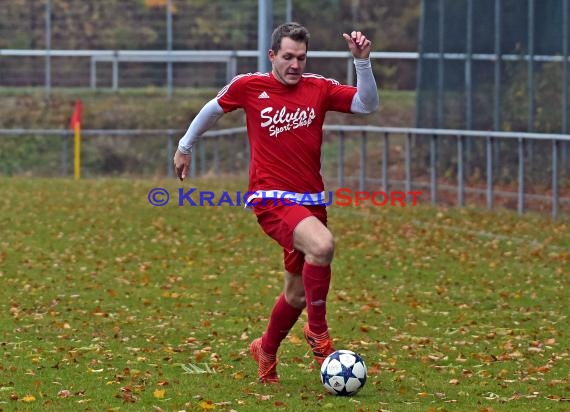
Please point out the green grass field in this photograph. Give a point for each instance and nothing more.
(111, 304)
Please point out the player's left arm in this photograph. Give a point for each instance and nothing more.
(366, 99)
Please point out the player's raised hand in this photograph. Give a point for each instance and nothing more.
(358, 44)
(181, 164)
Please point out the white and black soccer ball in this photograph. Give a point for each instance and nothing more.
(343, 373)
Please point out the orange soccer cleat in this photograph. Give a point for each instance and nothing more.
(267, 364)
(322, 345)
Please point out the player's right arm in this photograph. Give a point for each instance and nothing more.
(228, 99)
(204, 120)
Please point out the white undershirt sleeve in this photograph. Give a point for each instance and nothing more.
(204, 120)
(366, 99)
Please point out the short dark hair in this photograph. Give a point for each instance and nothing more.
(292, 30)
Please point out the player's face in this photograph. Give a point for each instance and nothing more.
(289, 62)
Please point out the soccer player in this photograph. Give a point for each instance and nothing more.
(285, 111)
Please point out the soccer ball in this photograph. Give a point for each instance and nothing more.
(343, 373)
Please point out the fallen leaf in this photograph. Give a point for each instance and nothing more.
(206, 405)
(29, 398)
(159, 393)
(295, 340)
(64, 393)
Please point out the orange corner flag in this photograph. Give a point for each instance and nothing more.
(75, 125)
(76, 116)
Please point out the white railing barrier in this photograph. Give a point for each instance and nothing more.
(386, 133)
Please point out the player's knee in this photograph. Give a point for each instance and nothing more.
(322, 251)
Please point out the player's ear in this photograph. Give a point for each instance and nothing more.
(271, 54)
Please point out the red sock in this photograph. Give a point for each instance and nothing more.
(283, 317)
(316, 280)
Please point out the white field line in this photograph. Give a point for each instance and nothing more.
(478, 233)
(489, 235)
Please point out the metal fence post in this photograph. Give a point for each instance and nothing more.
(460, 179)
(193, 164)
(520, 204)
(433, 168)
(340, 166)
(490, 197)
(247, 152)
(289, 10)
(231, 67)
(202, 152)
(216, 158)
(362, 180)
(385, 160)
(408, 163)
(93, 74)
(349, 71)
(234, 148)
(64, 154)
(555, 194)
(264, 28)
(169, 155)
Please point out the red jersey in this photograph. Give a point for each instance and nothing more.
(284, 127)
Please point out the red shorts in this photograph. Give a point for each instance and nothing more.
(279, 221)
